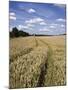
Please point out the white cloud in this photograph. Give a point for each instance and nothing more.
(52, 26)
(27, 26)
(60, 5)
(19, 27)
(31, 10)
(22, 27)
(10, 29)
(44, 30)
(30, 25)
(60, 20)
(62, 25)
(12, 16)
(42, 23)
(34, 20)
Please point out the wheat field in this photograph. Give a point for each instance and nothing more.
(37, 61)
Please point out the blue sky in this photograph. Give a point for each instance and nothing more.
(37, 18)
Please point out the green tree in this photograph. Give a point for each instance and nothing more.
(15, 32)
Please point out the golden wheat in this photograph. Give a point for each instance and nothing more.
(37, 61)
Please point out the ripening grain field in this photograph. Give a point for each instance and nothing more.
(37, 61)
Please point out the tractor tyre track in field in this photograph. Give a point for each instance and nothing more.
(45, 66)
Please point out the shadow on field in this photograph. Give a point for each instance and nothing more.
(42, 75)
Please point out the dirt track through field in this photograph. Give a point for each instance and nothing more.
(42, 80)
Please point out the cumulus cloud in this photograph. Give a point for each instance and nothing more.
(44, 29)
(10, 29)
(34, 20)
(62, 25)
(60, 5)
(30, 25)
(27, 26)
(42, 23)
(60, 20)
(22, 27)
(52, 26)
(31, 10)
(12, 16)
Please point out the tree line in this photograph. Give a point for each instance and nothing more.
(17, 33)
